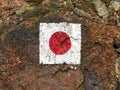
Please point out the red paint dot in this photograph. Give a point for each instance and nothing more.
(59, 43)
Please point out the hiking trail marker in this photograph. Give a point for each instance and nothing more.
(60, 43)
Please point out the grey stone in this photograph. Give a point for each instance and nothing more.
(115, 4)
(101, 8)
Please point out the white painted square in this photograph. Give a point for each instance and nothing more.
(73, 56)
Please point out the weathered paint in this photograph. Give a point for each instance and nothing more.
(73, 56)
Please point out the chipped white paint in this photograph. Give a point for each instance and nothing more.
(73, 67)
(46, 56)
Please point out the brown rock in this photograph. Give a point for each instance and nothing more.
(100, 57)
(47, 77)
(19, 68)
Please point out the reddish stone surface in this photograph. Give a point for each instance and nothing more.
(19, 68)
(47, 77)
(100, 57)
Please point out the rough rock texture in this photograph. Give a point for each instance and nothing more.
(19, 32)
(100, 58)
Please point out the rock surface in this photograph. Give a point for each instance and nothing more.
(19, 46)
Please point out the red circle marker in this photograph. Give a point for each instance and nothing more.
(59, 43)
